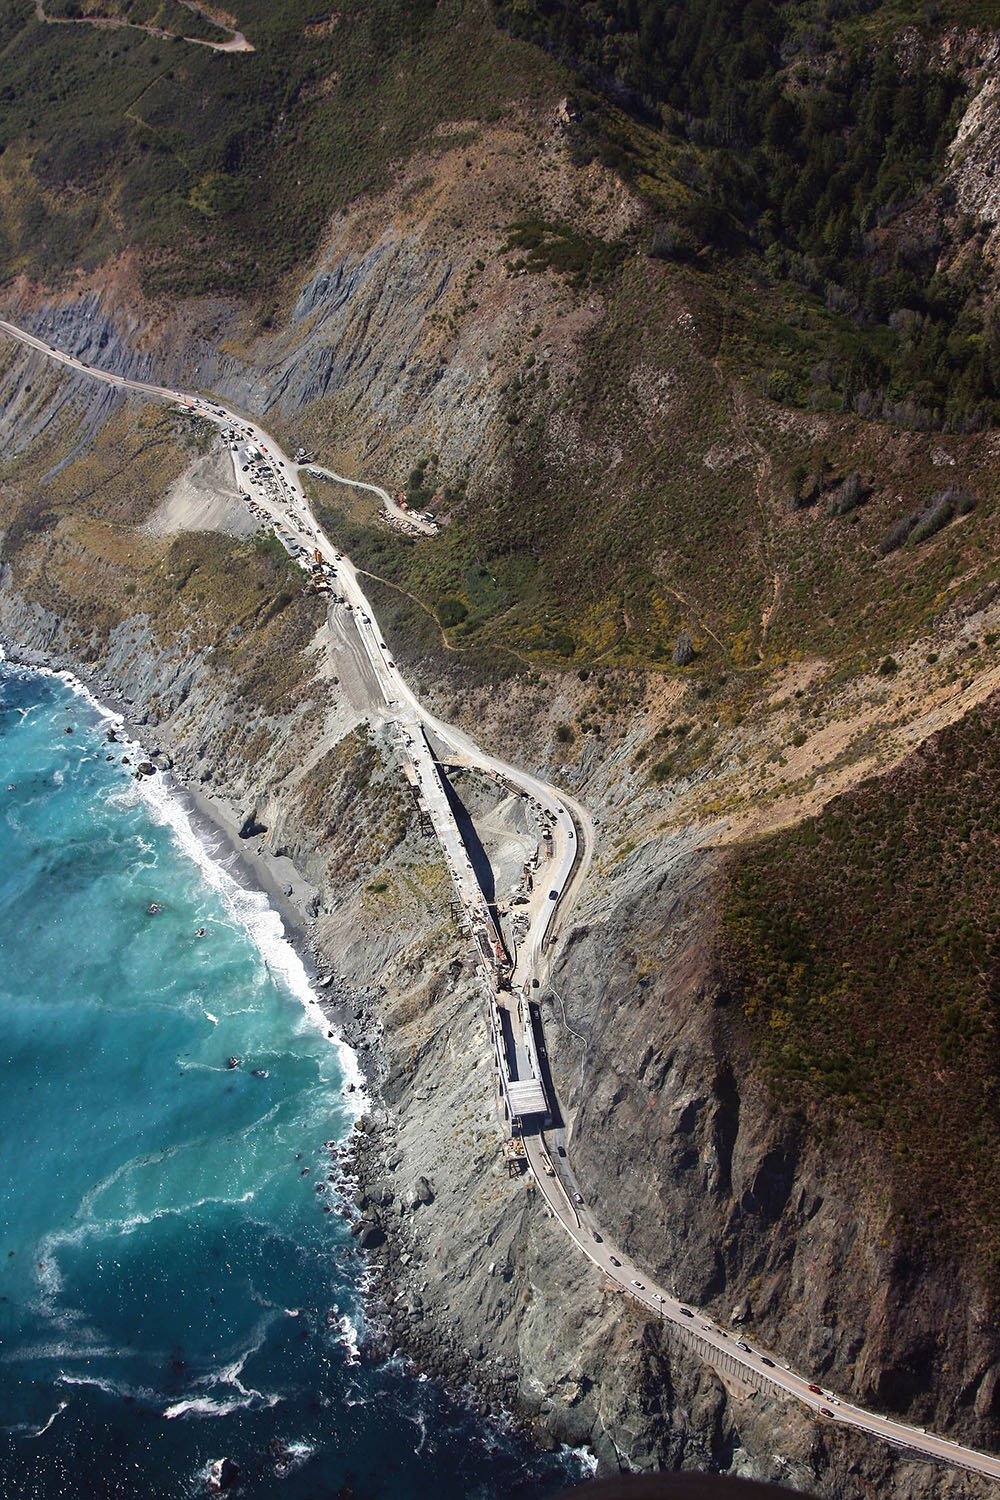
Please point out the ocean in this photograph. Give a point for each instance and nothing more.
(178, 1282)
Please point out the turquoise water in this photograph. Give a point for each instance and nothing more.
(174, 1287)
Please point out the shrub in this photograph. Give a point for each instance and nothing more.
(564, 734)
(672, 241)
(936, 516)
(805, 489)
(897, 533)
(848, 495)
(888, 666)
(451, 612)
(661, 769)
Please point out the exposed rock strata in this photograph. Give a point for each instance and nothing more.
(678, 1153)
(673, 1140)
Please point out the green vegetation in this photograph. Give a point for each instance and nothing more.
(864, 945)
(451, 612)
(165, 15)
(569, 561)
(224, 168)
(804, 145)
(560, 248)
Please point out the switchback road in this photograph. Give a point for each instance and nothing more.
(273, 487)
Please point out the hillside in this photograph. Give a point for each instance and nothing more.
(681, 319)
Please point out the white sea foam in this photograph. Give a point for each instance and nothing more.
(294, 1455)
(348, 1338)
(41, 1430)
(251, 908)
(60, 1352)
(132, 1222)
(206, 1406)
(109, 1387)
(254, 912)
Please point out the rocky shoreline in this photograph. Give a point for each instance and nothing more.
(470, 1277)
(370, 1158)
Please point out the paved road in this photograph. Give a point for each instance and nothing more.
(272, 486)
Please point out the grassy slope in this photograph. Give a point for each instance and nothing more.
(71, 542)
(226, 167)
(653, 495)
(611, 535)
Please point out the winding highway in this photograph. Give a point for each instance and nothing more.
(271, 484)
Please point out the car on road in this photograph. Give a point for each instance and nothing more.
(614, 1260)
(553, 895)
(577, 1198)
(598, 1237)
(816, 1390)
(707, 1328)
(638, 1284)
(686, 1312)
(765, 1361)
(825, 1411)
(658, 1298)
(745, 1347)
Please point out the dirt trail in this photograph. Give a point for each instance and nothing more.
(237, 41)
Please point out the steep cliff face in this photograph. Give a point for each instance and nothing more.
(672, 1134)
(402, 336)
(744, 1209)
